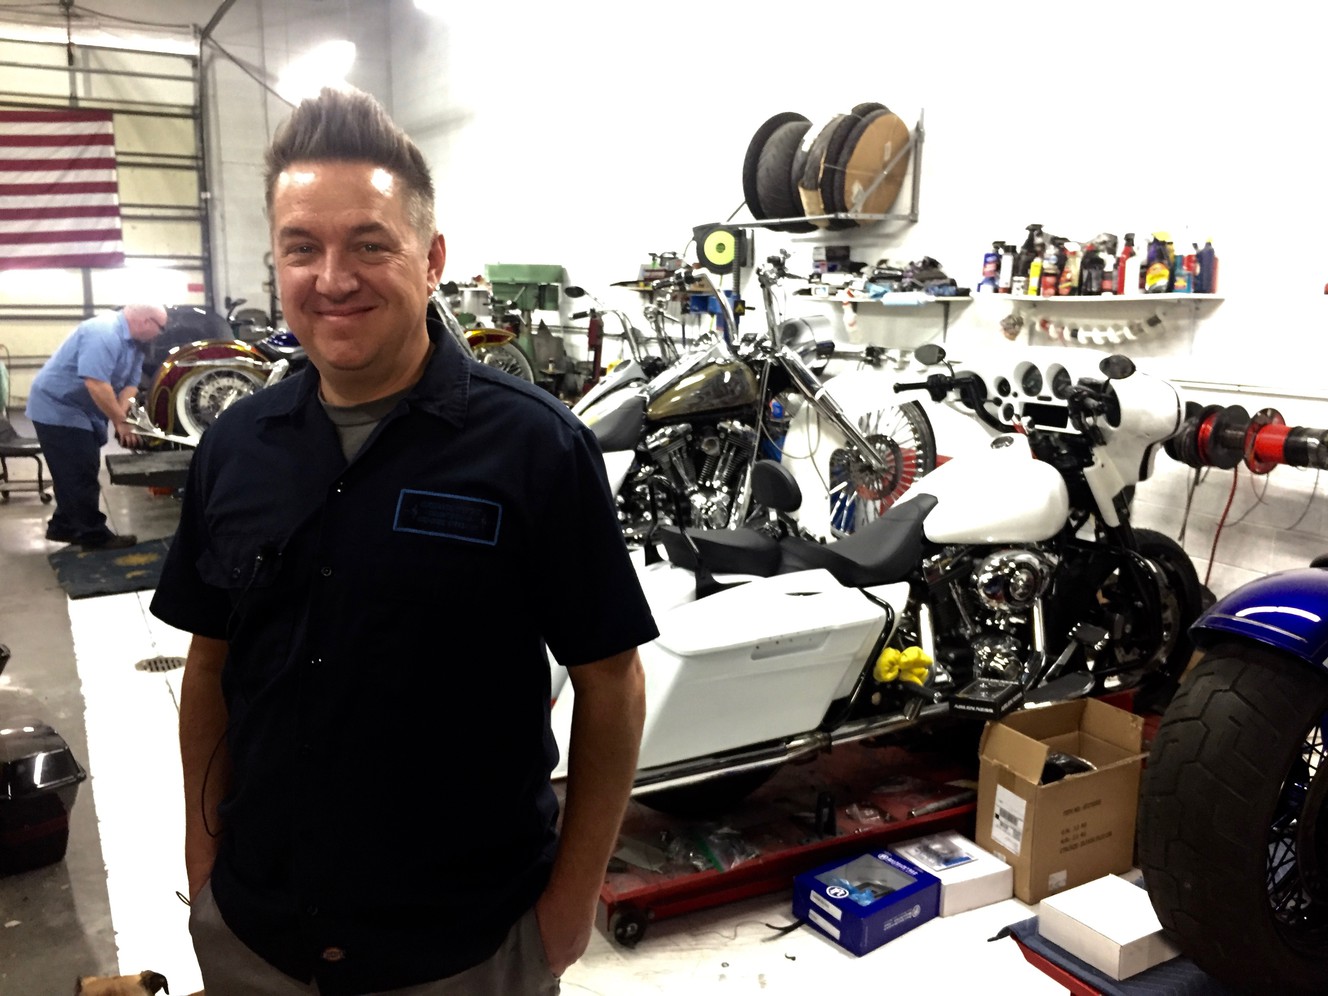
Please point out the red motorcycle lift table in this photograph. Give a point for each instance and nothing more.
(851, 800)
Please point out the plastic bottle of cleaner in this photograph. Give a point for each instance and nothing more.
(1091, 270)
(1007, 270)
(1127, 268)
(1051, 267)
(1205, 281)
(1023, 264)
(1182, 274)
(1157, 272)
(1070, 271)
(991, 268)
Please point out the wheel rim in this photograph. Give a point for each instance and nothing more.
(1297, 835)
(505, 358)
(203, 397)
(1128, 651)
(859, 493)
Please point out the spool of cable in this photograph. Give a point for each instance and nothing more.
(719, 248)
(1264, 441)
(1203, 432)
(1225, 443)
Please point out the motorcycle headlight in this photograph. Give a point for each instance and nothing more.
(811, 337)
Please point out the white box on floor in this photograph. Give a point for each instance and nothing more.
(1108, 923)
(970, 877)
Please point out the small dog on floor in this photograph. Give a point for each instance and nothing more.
(149, 983)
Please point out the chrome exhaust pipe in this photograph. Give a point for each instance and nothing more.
(774, 754)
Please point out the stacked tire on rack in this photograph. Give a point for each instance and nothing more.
(853, 162)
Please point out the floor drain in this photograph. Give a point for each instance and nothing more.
(157, 664)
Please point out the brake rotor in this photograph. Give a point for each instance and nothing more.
(867, 482)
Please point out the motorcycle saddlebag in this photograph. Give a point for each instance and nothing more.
(39, 780)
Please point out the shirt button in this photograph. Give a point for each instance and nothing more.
(326, 572)
(333, 954)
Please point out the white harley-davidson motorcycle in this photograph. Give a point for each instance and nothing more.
(1007, 577)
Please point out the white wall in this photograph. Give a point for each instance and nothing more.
(590, 134)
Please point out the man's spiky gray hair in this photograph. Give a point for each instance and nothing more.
(351, 126)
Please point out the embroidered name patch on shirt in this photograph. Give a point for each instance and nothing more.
(429, 513)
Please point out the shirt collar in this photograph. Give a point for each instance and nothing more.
(443, 390)
(122, 329)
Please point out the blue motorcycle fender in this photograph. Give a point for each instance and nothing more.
(1287, 611)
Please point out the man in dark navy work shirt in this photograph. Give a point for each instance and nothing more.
(373, 556)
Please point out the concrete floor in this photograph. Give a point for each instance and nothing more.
(110, 906)
(55, 922)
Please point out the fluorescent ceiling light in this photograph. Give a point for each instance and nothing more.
(324, 66)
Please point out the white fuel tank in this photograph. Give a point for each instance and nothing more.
(998, 495)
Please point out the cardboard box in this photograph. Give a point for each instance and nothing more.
(1108, 923)
(866, 901)
(970, 877)
(1071, 831)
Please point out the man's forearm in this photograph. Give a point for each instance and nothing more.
(203, 755)
(606, 735)
(103, 396)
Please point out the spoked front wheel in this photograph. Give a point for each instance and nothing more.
(202, 396)
(508, 358)
(861, 490)
(1233, 826)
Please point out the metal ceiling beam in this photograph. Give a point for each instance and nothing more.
(216, 18)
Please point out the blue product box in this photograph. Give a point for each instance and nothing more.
(868, 900)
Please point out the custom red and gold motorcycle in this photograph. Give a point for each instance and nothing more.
(197, 381)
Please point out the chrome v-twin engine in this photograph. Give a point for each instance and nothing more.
(705, 465)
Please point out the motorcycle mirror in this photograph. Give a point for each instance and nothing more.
(929, 355)
(574, 291)
(1116, 366)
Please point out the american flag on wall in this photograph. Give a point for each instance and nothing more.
(59, 195)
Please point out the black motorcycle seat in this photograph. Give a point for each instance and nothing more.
(723, 551)
(881, 552)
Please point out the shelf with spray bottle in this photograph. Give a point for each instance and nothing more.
(1065, 288)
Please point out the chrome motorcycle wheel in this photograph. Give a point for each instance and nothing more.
(207, 392)
(859, 492)
(507, 358)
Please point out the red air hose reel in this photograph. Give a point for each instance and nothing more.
(1224, 436)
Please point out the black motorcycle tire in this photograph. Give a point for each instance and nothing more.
(775, 180)
(1183, 580)
(709, 798)
(1225, 805)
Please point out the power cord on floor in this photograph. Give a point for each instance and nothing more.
(1235, 477)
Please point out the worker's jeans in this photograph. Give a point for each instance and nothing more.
(74, 459)
(518, 968)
